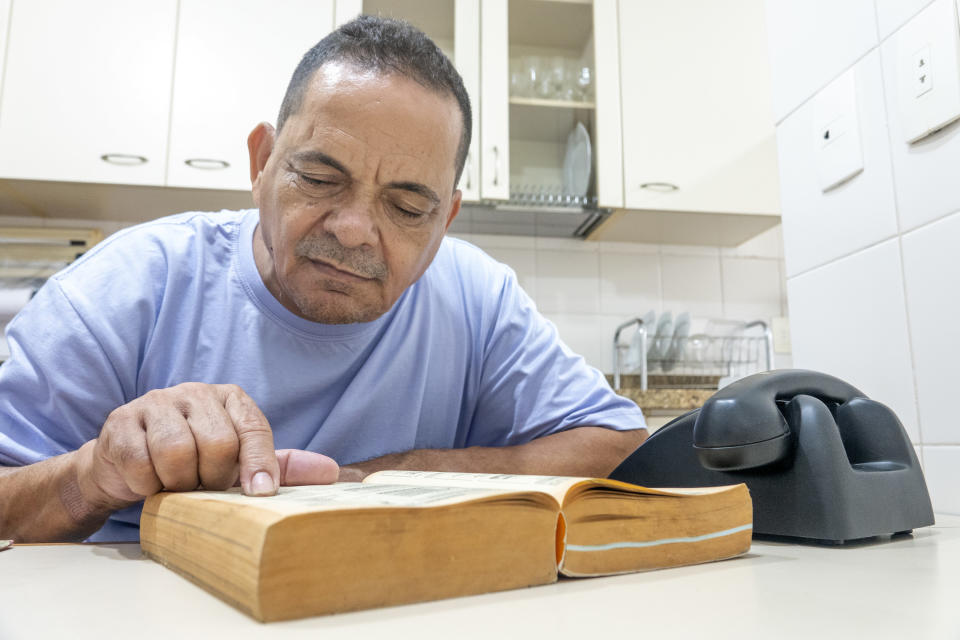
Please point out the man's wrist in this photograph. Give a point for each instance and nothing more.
(83, 501)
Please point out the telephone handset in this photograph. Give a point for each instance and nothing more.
(822, 461)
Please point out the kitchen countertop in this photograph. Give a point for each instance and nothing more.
(673, 400)
(904, 587)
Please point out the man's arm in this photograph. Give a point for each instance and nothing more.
(582, 451)
(170, 439)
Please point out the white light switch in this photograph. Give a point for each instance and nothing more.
(837, 131)
(928, 52)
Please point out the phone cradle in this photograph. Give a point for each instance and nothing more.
(822, 461)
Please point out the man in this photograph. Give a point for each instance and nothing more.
(336, 321)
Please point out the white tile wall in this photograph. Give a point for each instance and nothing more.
(812, 42)
(629, 282)
(587, 288)
(931, 269)
(925, 172)
(692, 283)
(891, 14)
(848, 319)
(567, 281)
(941, 468)
(856, 308)
(817, 226)
(751, 288)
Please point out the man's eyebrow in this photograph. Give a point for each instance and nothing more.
(417, 188)
(319, 157)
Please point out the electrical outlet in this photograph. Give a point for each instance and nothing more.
(922, 72)
(837, 131)
(928, 81)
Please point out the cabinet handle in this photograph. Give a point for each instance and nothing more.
(659, 187)
(123, 159)
(206, 164)
(469, 170)
(496, 166)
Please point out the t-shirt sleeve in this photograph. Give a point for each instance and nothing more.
(532, 384)
(59, 384)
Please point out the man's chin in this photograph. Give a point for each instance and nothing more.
(333, 311)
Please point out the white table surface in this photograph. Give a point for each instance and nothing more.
(906, 588)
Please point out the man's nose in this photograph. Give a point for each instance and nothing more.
(353, 222)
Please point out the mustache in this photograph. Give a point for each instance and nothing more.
(326, 248)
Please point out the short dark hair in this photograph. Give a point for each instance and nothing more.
(385, 45)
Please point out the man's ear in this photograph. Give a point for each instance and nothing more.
(454, 208)
(260, 145)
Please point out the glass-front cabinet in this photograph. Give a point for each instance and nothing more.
(543, 95)
(544, 91)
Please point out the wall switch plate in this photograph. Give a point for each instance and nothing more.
(928, 60)
(837, 132)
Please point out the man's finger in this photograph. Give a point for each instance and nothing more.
(126, 465)
(259, 471)
(172, 447)
(218, 446)
(298, 467)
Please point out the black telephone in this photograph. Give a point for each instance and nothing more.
(822, 461)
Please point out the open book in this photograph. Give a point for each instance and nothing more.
(410, 536)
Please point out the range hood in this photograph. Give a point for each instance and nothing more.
(529, 218)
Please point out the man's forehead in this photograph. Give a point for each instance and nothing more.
(355, 116)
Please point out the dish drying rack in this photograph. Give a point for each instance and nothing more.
(746, 348)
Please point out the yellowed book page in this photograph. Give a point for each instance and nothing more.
(556, 486)
(351, 495)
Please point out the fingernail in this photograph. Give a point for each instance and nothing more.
(262, 484)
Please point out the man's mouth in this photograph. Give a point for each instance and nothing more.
(337, 271)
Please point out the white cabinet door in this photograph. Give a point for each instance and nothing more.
(4, 23)
(466, 44)
(697, 107)
(86, 94)
(234, 60)
(609, 133)
(494, 102)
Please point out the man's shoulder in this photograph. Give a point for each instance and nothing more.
(153, 242)
(469, 262)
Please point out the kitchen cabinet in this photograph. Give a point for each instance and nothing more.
(234, 60)
(698, 127)
(454, 25)
(524, 138)
(4, 23)
(518, 142)
(86, 93)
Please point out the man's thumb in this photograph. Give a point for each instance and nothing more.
(306, 467)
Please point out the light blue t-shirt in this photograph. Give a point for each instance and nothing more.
(463, 358)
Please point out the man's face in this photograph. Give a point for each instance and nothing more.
(355, 193)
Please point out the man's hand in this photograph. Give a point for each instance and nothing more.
(189, 436)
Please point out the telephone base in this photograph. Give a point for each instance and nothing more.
(850, 471)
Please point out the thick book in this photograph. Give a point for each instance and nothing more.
(411, 536)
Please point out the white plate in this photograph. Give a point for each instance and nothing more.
(675, 351)
(661, 341)
(576, 162)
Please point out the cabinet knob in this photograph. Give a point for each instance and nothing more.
(206, 164)
(123, 159)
